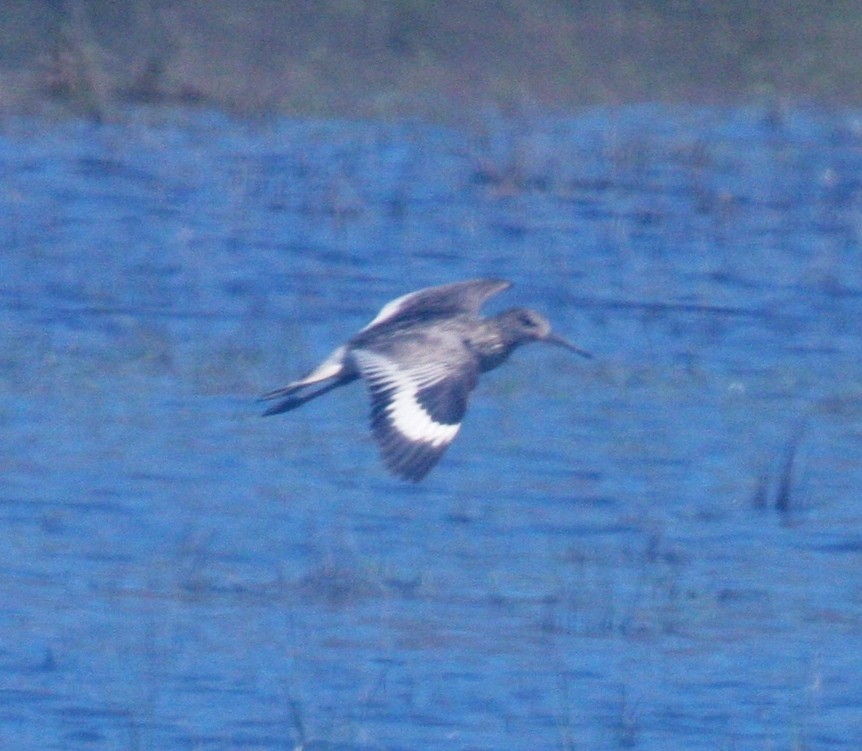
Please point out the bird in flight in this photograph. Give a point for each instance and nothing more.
(420, 358)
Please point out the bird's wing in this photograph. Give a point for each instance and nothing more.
(446, 300)
(417, 403)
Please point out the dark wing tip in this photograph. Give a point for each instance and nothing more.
(409, 460)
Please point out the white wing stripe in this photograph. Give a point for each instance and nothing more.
(405, 412)
(411, 420)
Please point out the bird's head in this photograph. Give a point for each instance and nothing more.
(523, 325)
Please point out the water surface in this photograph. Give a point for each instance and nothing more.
(659, 548)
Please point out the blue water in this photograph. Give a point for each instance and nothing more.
(623, 553)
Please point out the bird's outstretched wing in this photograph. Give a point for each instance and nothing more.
(417, 403)
(443, 301)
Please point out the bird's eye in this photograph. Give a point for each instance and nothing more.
(525, 319)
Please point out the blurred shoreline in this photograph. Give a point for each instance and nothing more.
(349, 58)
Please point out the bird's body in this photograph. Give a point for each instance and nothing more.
(420, 357)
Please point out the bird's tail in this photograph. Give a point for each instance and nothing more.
(332, 369)
(289, 398)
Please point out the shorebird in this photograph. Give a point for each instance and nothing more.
(420, 358)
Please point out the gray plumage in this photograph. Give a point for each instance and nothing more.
(420, 357)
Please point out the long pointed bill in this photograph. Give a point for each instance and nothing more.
(560, 342)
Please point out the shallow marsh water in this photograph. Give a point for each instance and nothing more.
(659, 548)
